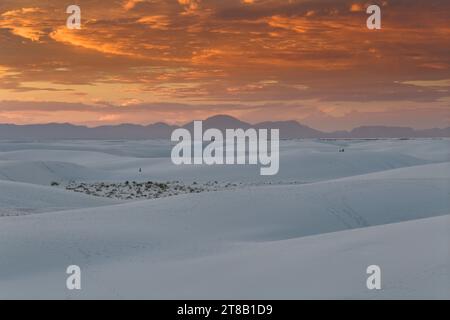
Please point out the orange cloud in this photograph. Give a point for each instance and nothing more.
(161, 22)
(81, 39)
(287, 23)
(190, 4)
(356, 7)
(130, 4)
(22, 22)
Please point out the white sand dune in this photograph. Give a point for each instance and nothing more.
(46, 172)
(258, 242)
(295, 166)
(22, 198)
(330, 266)
(126, 148)
(301, 161)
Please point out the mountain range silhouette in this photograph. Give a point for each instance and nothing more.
(288, 130)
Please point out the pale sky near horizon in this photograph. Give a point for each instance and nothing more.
(145, 61)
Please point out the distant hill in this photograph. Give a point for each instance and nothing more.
(221, 122)
(291, 129)
(288, 130)
(390, 132)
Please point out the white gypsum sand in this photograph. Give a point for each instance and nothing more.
(381, 202)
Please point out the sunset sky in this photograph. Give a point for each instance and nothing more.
(144, 61)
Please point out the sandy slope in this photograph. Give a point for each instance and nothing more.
(245, 243)
(330, 266)
(46, 172)
(301, 161)
(22, 198)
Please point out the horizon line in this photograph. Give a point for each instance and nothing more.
(216, 116)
